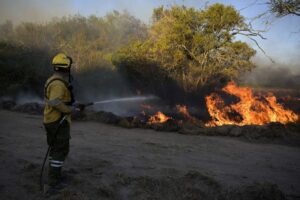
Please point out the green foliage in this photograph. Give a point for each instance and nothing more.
(90, 41)
(22, 69)
(184, 50)
(191, 48)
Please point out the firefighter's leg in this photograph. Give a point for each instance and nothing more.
(59, 151)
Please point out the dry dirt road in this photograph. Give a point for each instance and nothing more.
(108, 162)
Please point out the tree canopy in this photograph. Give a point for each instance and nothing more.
(27, 48)
(189, 47)
(183, 50)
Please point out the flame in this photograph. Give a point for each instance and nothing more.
(255, 110)
(159, 117)
(184, 111)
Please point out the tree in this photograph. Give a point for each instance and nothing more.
(27, 48)
(190, 47)
(285, 7)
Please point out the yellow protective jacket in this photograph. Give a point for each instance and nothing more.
(57, 95)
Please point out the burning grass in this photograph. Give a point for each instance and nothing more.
(250, 109)
(234, 111)
(183, 125)
(194, 126)
(158, 118)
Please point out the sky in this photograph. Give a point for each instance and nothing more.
(282, 43)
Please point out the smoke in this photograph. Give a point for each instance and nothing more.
(101, 84)
(22, 98)
(274, 76)
(28, 97)
(33, 10)
(39, 11)
(105, 82)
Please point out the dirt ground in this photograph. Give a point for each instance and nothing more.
(109, 162)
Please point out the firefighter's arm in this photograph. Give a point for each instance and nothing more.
(55, 99)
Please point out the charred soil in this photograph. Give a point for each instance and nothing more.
(110, 162)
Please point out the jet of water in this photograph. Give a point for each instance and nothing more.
(134, 98)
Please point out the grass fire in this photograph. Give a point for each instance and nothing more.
(249, 110)
(160, 100)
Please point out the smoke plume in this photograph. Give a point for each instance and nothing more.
(274, 76)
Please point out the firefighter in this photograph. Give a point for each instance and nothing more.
(58, 105)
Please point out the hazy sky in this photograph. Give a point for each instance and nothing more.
(282, 44)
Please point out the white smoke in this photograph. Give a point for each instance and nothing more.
(27, 97)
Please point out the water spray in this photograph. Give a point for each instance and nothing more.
(124, 99)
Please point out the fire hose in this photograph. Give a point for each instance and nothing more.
(81, 107)
(48, 150)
